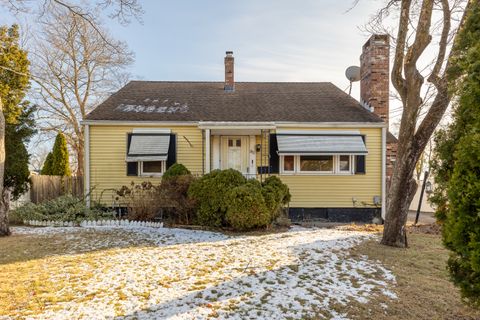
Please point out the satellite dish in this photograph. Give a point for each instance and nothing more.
(353, 73)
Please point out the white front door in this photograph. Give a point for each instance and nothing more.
(234, 153)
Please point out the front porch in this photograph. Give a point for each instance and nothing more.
(241, 147)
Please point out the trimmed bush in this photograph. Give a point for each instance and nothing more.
(60, 157)
(226, 199)
(246, 207)
(276, 195)
(461, 230)
(64, 208)
(175, 170)
(209, 193)
(456, 162)
(47, 165)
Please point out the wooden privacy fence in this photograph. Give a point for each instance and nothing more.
(45, 188)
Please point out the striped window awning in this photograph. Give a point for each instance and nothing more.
(321, 144)
(148, 147)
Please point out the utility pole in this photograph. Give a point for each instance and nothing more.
(425, 178)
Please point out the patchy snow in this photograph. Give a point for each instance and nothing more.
(185, 274)
(173, 107)
(44, 230)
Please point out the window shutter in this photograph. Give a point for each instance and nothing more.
(132, 167)
(273, 154)
(359, 164)
(172, 151)
(129, 140)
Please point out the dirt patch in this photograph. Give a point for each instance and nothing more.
(432, 228)
(362, 227)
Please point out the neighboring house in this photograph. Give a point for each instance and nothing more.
(328, 148)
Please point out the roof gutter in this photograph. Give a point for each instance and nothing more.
(286, 124)
(138, 123)
(235, 125)
(238, 124)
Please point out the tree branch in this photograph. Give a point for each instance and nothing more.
(397, 77)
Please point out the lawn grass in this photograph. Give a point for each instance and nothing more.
(423, 287)
(35, 268)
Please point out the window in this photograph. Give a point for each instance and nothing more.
(234, 142)
(316, 163)
(289, 163)
(344, 164)
(152, 168)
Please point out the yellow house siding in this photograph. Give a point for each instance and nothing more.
(336, 191)
(108, 147)
(108, 168)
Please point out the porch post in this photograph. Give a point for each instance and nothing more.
(252, 152)
(384, 175)
(215, 152)
(207, 151)
(86, 166)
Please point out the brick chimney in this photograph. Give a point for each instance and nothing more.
(229, 78)
(375, 75)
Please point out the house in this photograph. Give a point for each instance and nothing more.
(329, 148)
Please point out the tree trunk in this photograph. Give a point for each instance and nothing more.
(403, 186)
(408, 81)
(4, 208)
(5, 196)
(394, 233)
(80, 161)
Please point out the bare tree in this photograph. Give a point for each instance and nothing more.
(122, 10)
(73, 71)
(416, 31)
(4, 196)
(38, 158)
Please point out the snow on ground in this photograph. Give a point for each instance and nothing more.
(184, 274)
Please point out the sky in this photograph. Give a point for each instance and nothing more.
(272, 40)
(281, 40)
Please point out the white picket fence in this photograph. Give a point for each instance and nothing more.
(86, 224)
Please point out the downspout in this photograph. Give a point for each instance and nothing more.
(87, 165)
(207, 150)
(203, 152)
(384, 175)
(261, 155)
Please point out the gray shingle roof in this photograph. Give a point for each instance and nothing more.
(391, 138)
(251, 101)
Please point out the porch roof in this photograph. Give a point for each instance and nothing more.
(148, 147)
(320, 144)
